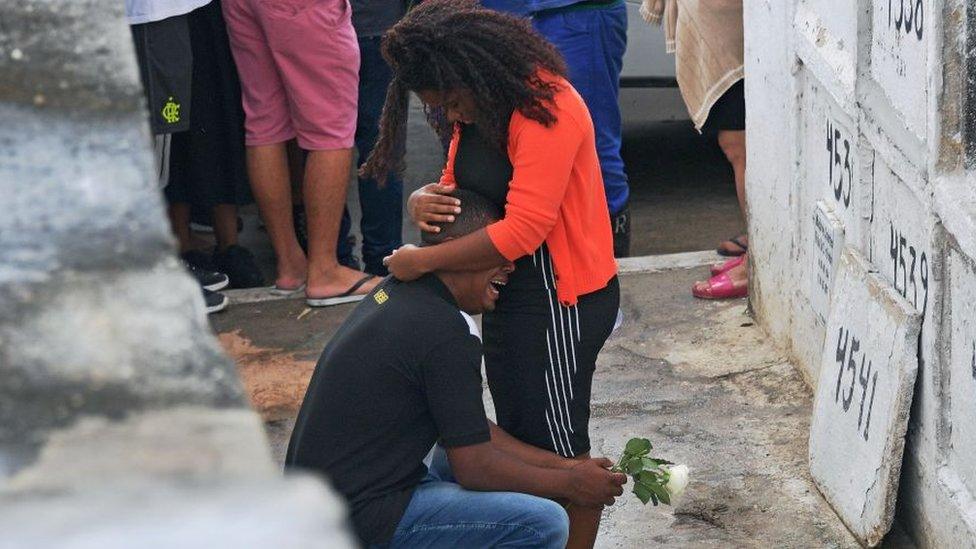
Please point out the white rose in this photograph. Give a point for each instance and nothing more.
(677, 480)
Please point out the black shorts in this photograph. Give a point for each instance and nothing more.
(729, 111)
(540, 357)
(165, 64)
(207, 163)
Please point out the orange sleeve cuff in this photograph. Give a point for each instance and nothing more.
(503, 240)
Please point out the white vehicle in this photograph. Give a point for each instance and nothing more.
(648, 90)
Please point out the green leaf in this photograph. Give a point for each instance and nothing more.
(643, 493)
(650, 463)
(634, 466)
(638, 446)
(660, 492)
(647, 477)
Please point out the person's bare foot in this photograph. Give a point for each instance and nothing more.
(291, 272)
(731, 283)
(336, 280)
(734, 246)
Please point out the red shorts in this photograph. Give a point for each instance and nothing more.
(298, 62)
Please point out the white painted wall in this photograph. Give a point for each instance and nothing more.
(857, 136)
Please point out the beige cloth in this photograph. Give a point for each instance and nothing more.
(706, 38)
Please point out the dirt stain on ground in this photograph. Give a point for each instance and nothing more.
(275, 380)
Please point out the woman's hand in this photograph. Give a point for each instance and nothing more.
(432, 203)
(405, 263)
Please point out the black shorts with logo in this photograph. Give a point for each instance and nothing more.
(166, 67)
(540, 356)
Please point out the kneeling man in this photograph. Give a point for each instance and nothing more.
(404, 372)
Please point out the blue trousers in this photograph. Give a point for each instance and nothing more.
(442, 514)
(592, 40)
(382, 207)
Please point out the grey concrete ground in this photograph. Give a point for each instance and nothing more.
(697, 378)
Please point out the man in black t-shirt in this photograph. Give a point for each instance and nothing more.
(404, 372)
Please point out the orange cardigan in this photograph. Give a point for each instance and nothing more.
(555, 196)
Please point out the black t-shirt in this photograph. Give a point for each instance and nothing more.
(401, 373)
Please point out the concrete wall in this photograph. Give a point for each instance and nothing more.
(122, 423)
(861, 134)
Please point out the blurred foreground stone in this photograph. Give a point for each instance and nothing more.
(122, 423)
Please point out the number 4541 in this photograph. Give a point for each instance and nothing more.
(848, 347)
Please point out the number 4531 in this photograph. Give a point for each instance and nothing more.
(839, 162)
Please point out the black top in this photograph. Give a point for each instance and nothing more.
(403, 371)
(481, 167)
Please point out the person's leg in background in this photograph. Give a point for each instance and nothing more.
(727, 119)
(267, 127)
(593, 40)
(324, 189)
(733, 144)
(267, 167)
(179, 196)
(730, 279)
(381, 204)
(212, 152)
(317, 57)
(296, 169)
(346, 243)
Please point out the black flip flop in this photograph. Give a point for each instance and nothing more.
(735, 240)
(348, 296)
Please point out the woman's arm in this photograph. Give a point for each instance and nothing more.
(474, 251)
(432, 203)
(542, 161)
(526, 452)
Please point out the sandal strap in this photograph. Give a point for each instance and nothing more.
(735, 240)
(359, 284)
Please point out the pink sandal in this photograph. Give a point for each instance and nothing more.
(720, 286)
(720, 268)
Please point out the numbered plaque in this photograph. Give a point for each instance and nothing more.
(863, 398)
(898, 57)
(828, 241)
(900, 239)
(962, 374)
(831, 159)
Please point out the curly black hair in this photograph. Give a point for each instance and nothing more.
(445, 45)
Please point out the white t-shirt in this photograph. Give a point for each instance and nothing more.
(147, 11)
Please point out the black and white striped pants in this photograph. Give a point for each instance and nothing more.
(540, 356)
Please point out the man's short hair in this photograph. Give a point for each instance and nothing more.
(476, 212)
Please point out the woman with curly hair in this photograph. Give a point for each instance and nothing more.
(521, 136)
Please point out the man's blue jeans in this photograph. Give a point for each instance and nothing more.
(382, 207)
(592, 40)
(442, 514)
